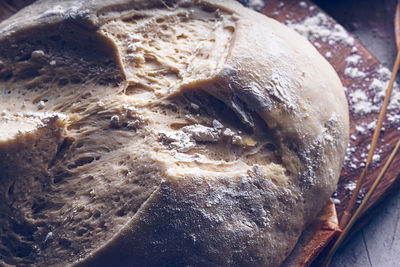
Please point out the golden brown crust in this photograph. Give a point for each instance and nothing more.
(197, 133)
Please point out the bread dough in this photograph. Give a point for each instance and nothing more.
(141, 133)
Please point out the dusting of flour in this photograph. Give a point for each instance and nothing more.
(320, 27)
(366, 94)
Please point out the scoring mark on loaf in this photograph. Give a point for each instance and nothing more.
(161, 49)
(211, 134)
(149, 104)
(94, 157)
(164, 54)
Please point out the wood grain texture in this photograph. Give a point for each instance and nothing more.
(371, 22)
(293, 11)
(377, 244)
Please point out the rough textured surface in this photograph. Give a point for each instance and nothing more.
(169, 133)
(378, 243)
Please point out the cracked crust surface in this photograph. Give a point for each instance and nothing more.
(162, 133)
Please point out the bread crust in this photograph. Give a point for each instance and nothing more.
(191, 194)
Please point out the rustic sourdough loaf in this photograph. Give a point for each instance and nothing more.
(187, 133)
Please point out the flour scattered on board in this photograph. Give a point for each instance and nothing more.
(365, 95)
(353, 60)
(350, 186)
(328, 54)
(354, 73)
(320, 27)
(360, 103)
(366, 102)
(302, 4)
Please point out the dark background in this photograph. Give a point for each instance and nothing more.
(370, 21)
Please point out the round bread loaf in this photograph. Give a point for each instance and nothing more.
(161, 133)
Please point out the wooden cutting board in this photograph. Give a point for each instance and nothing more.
(336, 52)
(293, 11)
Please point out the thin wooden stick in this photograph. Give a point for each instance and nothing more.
(347, 213)
(375, 137)
(7, 6)
(348, 227)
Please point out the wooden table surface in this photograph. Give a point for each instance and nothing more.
(371, 22)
